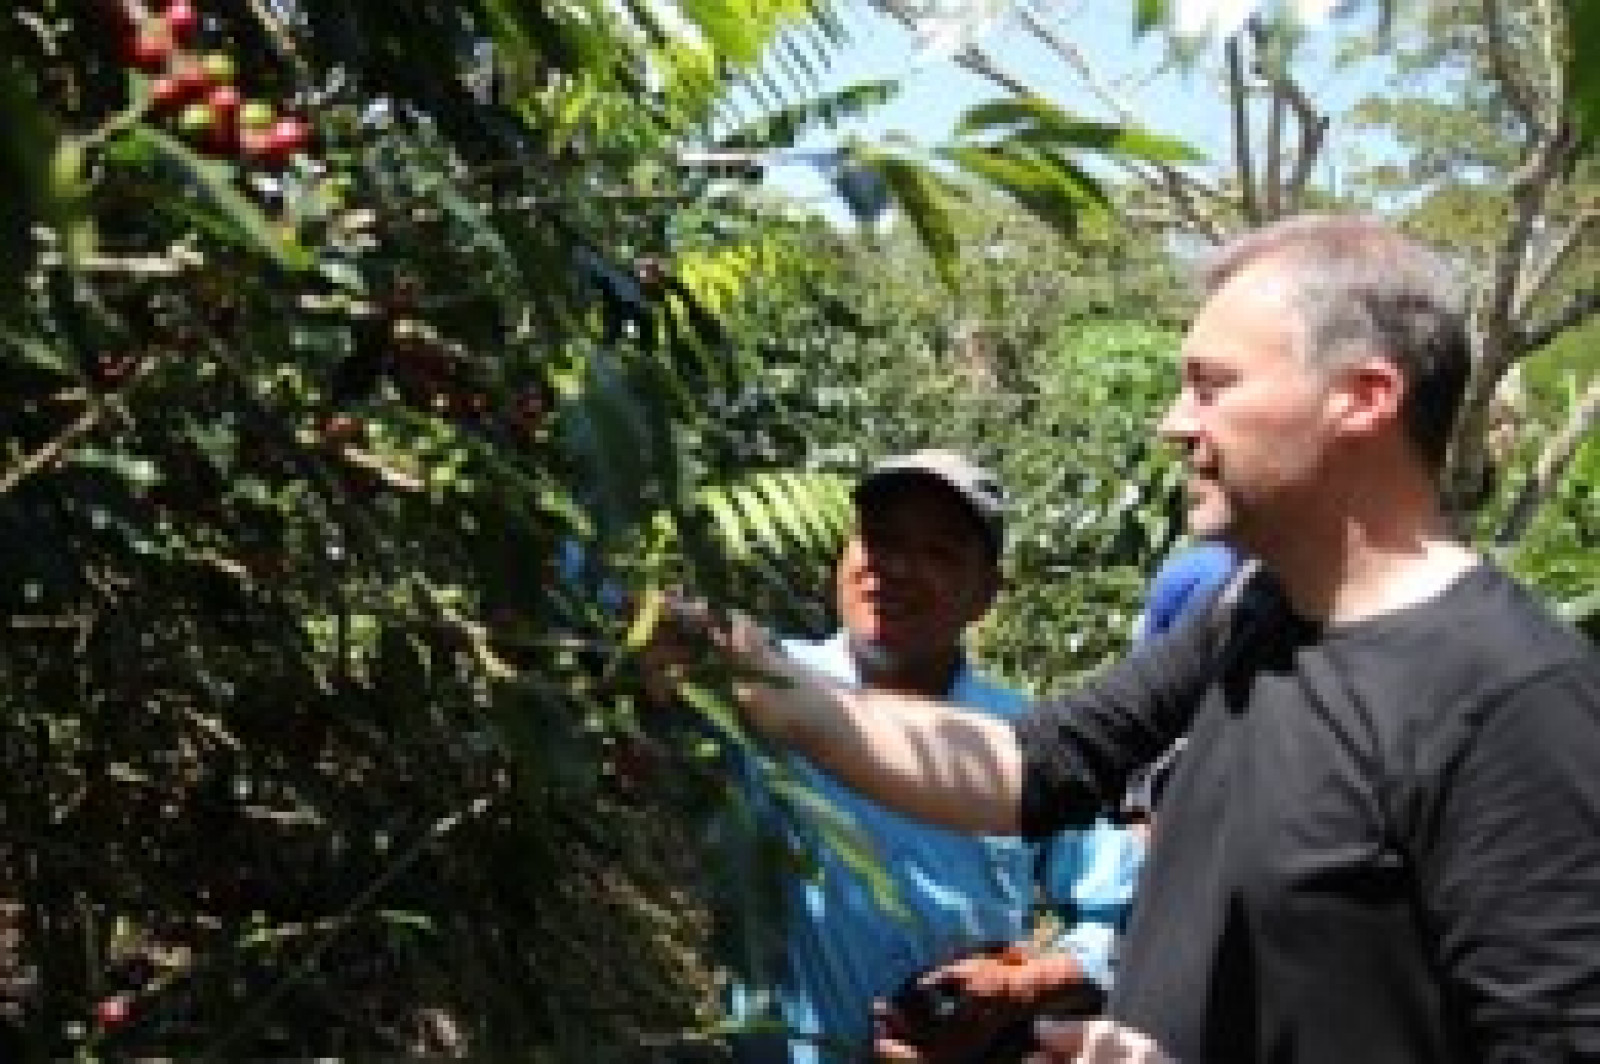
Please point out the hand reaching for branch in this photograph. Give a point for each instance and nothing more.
(690, 633)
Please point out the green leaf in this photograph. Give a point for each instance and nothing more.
(1038, 121)
(758, 518)
(25, 152)
(716, 709)
(1050, 188)
(217, 179)
(727, 27)
(925, 199)
(38, 352)
(843, 836)
(1583, 65)
(780, 492)
(730, 526)
(785, 126)
(138, 471)
(1148, 14)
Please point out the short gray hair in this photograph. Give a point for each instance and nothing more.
(1362, 286)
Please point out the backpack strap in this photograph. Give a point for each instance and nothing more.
(1222, 617)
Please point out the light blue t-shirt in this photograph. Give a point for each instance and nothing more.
(843, 950)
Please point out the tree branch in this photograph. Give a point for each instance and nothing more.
(1313, 126)
(978, 61)
(1495, 338)
(1552, 58)
(281, 38)
(970, 57)
(1550, 467)
(1534, 279)
(52, 450)
(1272, 182)
(1244, 169)
(1530, 187)
(1579, 309)
(1518, 94)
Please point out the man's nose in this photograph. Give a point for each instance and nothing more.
(1178, 425)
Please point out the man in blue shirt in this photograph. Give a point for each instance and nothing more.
(923, 565)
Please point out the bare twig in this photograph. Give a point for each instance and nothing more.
(171, 264)
(280, 36)
(52, 450)
(979, 62)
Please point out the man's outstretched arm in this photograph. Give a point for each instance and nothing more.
(928, 760)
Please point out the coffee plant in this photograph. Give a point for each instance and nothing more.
(358, 394)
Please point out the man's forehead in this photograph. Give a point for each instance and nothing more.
(1251, 309)
(1266, 281)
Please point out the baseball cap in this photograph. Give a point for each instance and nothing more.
(974, 485)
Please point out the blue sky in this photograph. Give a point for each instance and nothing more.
(1178, 101)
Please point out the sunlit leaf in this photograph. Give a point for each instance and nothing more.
(926, 201)
(844, 837)
(1040, 121)
(249, 221)
(783, 127)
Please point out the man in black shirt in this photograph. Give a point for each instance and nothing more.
(1383, 841)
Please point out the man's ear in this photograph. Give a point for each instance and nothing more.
(1366, 395)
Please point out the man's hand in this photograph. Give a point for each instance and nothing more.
(685, 632)
(689, 636)
(1094, 1042)
(980, 1007)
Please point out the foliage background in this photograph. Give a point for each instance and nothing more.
(336, 501)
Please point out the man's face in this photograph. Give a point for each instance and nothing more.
(915, 572)
(1252, 417)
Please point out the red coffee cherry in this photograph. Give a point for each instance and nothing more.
(181, 19)
(167, 93)
(150, 49)
(113, 1011)
(224, 100)
(287, 138)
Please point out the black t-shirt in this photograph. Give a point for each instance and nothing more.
(1382, 843)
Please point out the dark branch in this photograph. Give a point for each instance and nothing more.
(1244, 168)
(1579, 309)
